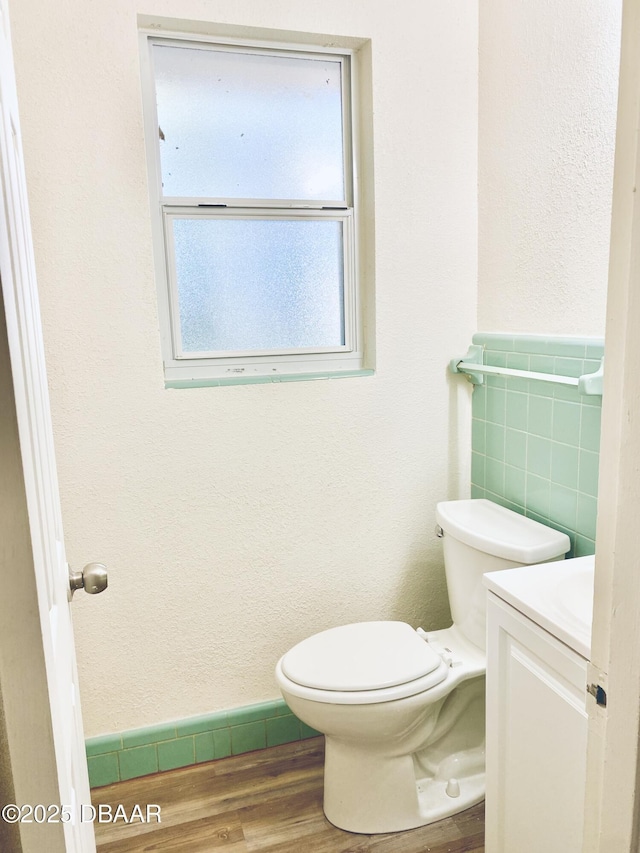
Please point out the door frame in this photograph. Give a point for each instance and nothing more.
(612, 821)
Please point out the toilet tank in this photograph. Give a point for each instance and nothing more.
(480, 536)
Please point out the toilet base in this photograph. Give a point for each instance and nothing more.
(369, 794)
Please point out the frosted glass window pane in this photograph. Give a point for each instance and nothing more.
(247, 284)
(248, 125)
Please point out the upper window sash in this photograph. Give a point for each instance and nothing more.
(294, 76)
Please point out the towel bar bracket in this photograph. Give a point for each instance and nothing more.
(474, 356)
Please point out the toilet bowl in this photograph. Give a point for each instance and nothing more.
(402, 709)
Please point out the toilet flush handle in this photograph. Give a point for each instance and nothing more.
(439, 531)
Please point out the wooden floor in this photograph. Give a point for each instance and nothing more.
(268, 801)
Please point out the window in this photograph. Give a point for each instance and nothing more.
(252, 175)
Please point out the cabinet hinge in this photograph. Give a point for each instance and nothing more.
(598, 693)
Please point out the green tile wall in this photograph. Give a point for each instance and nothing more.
(535, 445)
(140, 752)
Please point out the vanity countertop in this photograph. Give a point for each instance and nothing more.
(557, 596)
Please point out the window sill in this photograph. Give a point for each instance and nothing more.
(262, 380)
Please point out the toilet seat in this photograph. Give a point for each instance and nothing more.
(362, 663)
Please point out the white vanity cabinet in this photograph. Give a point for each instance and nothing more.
(536, 735)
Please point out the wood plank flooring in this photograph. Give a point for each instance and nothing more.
(261, 802)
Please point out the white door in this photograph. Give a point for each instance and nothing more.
(24, 333)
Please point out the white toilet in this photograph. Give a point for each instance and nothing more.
(402, 710)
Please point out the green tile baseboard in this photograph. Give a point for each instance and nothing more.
(535, 446)
(181, 743)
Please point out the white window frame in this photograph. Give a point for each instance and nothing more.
(184, 369)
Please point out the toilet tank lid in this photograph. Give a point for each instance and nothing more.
(360, 656)
(500, 532)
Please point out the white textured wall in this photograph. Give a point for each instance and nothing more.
(548, 90)
(236, 521)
